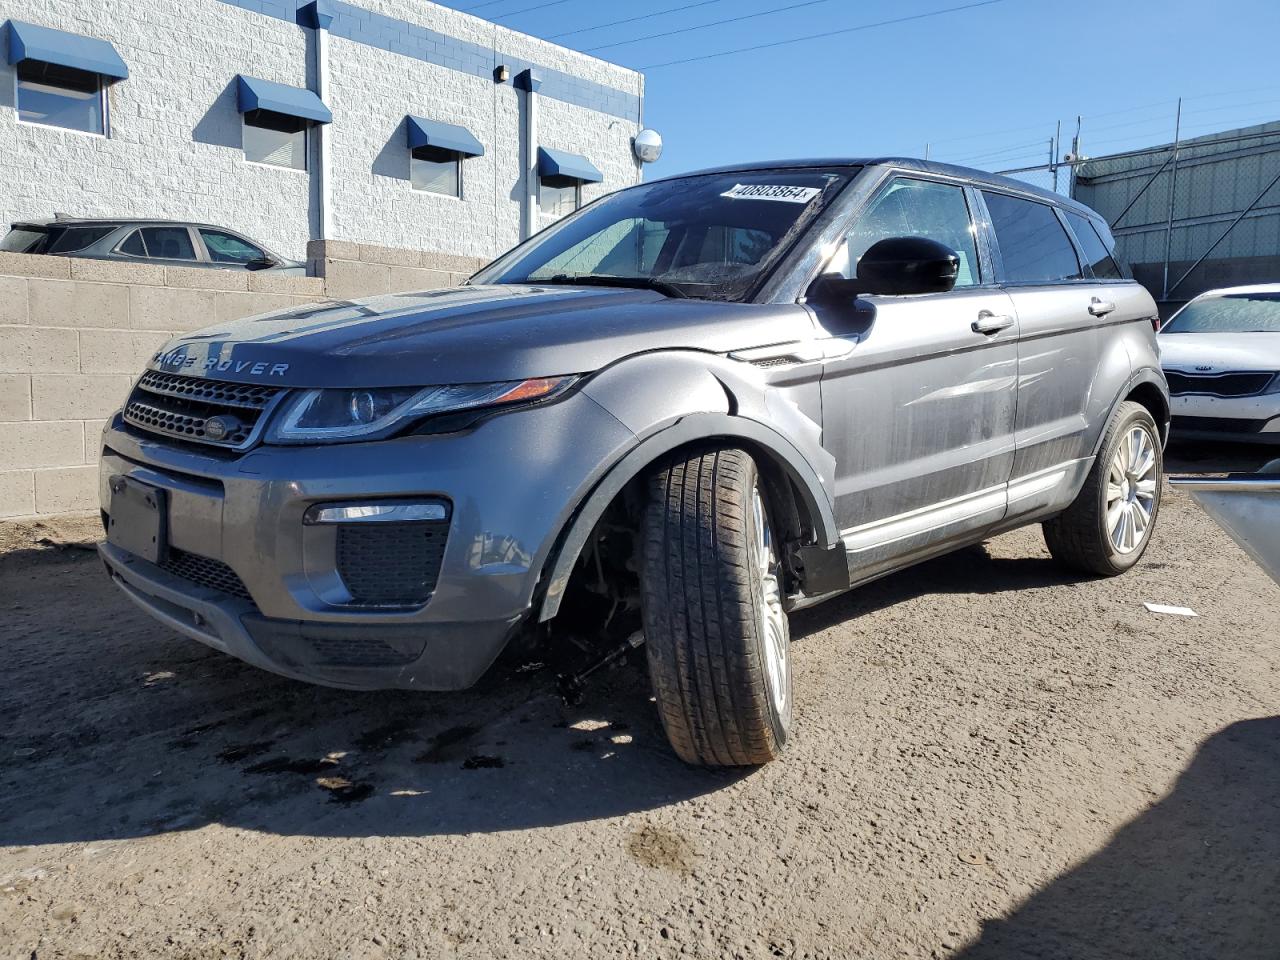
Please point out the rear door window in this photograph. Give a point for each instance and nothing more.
(168, 243)
(133, 245)
(1101, 264)
(1034, 247)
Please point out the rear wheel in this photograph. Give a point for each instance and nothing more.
(717, 636)
(1108, 526)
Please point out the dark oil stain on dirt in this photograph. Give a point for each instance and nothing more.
(387, 736)
(341, 790)
(483, 761)
(447, 745)
(291, 765)
(243, 751)
(660, 849)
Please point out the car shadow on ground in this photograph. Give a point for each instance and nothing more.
(121, 729)
(117, 728)
(972, 570)
(1196, 875)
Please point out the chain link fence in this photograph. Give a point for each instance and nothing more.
(1192, 216)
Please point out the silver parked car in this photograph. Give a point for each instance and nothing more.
(170, 243)
(682, 412)
(1221, 355)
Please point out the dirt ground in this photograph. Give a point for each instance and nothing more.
(991, 760)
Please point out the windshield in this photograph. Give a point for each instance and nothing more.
(1230, 313)
(712, 236)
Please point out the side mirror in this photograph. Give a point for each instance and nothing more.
(260, 263)
(896, 266)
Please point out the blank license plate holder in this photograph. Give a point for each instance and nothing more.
(138, 519)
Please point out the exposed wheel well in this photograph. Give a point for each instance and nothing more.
(1149, 395)
(604, 583)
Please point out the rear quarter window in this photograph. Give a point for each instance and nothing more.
(1034, 246)
(1099, 259)
(74, 239)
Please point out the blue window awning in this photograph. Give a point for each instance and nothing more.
(255, 94)
(558, 163)
(443, 136)
(46, 45)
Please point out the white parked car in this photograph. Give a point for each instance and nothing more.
(1221, 355)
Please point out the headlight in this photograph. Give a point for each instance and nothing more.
(320, 416)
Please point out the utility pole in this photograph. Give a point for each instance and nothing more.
(1173, 188)
(1055, 147)
(1075, 155)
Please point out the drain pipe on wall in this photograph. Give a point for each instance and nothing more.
(529, 81)
(318, 16)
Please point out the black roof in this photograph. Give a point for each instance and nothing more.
(980, 177)
(106, 221)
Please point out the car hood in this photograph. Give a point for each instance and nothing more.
(1219, 351)
(469, 334)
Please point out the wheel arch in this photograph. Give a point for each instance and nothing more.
(782, 464)
(1151, 394)
(1147, 387)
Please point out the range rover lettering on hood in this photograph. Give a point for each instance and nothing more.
(180, 360)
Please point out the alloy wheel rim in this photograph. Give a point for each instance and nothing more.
(1132, 485)
(773, 621)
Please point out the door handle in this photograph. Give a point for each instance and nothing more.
(1100, 308)
(990, 323)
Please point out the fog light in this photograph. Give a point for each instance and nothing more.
(378, 512)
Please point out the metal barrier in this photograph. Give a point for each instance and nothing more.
(1189, 216)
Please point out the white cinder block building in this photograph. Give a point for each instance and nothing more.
(392, 122)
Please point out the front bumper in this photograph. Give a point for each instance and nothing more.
(1236, 419)
(512, 482)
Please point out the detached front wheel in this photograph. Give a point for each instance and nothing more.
(716, 634)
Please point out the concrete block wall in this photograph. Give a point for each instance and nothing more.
(74, 334)
(354, 270)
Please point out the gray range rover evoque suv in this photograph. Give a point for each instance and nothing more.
(680, 413)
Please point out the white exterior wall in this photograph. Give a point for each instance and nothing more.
(159, 160)
(174, 148)
(373, 201)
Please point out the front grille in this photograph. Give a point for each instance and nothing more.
(179, 406)
(391, 564)
(204, 571)
(1217, 384)
(1218, 424)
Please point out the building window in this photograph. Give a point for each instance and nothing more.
(558, 196)
(275, 139)
(58, 96)
(433, 170)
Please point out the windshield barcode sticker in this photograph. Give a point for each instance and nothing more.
(765, 191)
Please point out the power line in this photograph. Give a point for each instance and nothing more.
(513, 13)
(704, 26)
(1000, 153)
(828, 33)
(643, 16)
(489, 3)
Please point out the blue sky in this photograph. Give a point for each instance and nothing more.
(984, 86)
